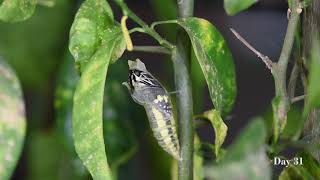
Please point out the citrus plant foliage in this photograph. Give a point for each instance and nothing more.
(96, 119)
(12, 120)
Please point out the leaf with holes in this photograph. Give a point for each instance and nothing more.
(12, 120)
(215, 60)
(16, 10)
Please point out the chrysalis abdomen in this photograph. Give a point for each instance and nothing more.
(164, 130)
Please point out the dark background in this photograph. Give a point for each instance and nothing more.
(36, 48)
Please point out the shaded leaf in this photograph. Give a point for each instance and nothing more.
(65, 87)
(120, 139)
(279, 117)
(16, 10)
(88, 112)
(220, 129)
(215, 60)
(313, 99)
(165, 10)
(309, 169)
(92, 21)
(294, 122)
(311, 164)
(295, 172)
(47, 159)
(12, 120)
(198, 171)
(232, 7)
(34, 48)
(245, 158)
(119, 136)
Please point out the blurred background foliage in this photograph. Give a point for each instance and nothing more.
(37, 50)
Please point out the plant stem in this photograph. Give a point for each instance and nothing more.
(147, 29)
(281, 103)
(279, 72)
(152, 49)
(181, 63)
(282, 64)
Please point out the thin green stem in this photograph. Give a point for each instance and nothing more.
(154, 24)
(181, 64)
(152, 49)
(126, 11)
(137, 29)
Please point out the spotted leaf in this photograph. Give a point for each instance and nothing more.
(16, 10)
(215, 60)
(12, 120)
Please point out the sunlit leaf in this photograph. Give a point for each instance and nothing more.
(232, 7)
(220, 129)
(92, 21)
(16, 10)
(215, 60)
(88, 111)
(245, 158)
(12, 120)
(313, 99)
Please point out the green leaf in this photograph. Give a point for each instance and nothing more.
(165, 10)
(294, 122)
(309, 169)
(16, 10)
(88, 112)
(279, 117)
(245, 158)
(295, 172)
(215, 60)
(311, 164)
(220, 129)
(93, 20)
(12, 120)
(313, 99)
(65, 86)
(34, 48)
(233, 7)
(120, 139)
(198, 171)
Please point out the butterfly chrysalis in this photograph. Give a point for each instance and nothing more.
(148, 92)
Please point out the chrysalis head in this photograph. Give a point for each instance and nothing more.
(139, 77)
